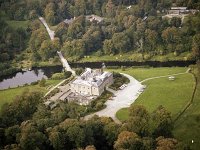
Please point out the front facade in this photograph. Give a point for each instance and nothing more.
(91, 82)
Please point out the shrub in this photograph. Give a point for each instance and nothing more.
(58, 76)
(67, 74)
(42, 82)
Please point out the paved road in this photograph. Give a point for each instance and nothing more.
(50, 32)
(124, 98)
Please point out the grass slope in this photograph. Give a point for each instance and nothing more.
(131, 56)
(187, 127)
(7, 96)
(173, 95)
(143, 73)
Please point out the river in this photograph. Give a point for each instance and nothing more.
(27, 77)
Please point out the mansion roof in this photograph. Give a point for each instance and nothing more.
(92, 77)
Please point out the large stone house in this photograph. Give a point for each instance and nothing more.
(91, 82)
(181, 11)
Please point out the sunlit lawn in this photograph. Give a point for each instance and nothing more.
(143, 73)
(187, 127)
(7, 96)
(130, 56)
(173, 95)
(18, 24)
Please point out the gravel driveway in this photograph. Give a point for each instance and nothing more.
(123, 98)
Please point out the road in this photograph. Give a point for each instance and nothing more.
(50, 32)
(123, 98)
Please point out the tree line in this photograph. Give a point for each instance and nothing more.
(140, 29)
(27, 123)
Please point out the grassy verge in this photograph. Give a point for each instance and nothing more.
(130, 56)
(187, 127)
(7, 96)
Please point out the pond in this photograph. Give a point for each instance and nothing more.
(27, 77)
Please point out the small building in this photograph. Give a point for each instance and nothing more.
(92, 18)
(181, 11)
(91, 82)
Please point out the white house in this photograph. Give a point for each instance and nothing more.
(91, 82)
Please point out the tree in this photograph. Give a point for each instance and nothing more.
(31, 138)
(67, 74)
(121, 42)
(128, 140)
(50, 14)
(108, 47)
(57, 140)
(74, 48)
(61, 31)
(138, 121)
(42, 82)
(176, 22)
(166, 143)
(110, 9)
(21, 109)
(162, 122)
(11, 134)
(151, 38)
(196, 46)
(171, 37)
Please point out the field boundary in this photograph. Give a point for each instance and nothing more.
(191, 100)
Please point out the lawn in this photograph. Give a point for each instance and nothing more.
(173, 95)
(7, 96)
(131, 56)
(143, 73)
(187, 127)
(17, 24)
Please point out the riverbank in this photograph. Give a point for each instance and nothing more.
(9, 95)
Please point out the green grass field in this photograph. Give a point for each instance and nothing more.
(187, 127)
(17, 24)
(7, 96)
(173, 95)
(143, 73)
(131, 56)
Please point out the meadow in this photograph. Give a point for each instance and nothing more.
(8, 95)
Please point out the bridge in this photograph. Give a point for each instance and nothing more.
(52, 34)
(66, 64)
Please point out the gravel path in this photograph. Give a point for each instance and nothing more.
(123, 98)
(50, 32)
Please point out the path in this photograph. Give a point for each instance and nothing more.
(66, 64)
(164, 76)
(123, 98)
(50, 32)
(55, 87)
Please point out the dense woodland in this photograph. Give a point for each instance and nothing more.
(28, 124)
(122, 30)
